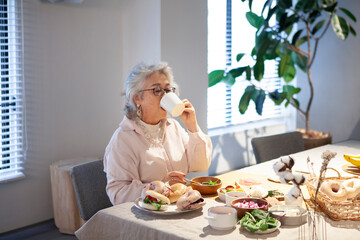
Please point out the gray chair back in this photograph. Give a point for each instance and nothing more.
(89, 181)
(274, 146)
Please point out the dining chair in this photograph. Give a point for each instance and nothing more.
(89, 181)
(274, 146)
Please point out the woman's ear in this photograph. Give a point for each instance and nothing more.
(136, 98)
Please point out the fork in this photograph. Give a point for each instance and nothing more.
(188, 180)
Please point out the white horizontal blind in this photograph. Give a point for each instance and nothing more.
(229, 33)
(11, 74)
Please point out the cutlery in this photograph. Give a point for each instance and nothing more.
(188, 180)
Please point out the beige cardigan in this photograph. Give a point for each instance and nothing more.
(131, 161)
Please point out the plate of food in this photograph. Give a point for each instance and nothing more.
(259, 222)
(180, 200)
(269, 230)
(171, 209)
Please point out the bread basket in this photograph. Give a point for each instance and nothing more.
(336, 210)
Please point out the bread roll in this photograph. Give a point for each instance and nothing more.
(352, 187)
(334, 190)
(159, 198)
(151, 207)
(178, 189)
(190, 200)
(157, 186)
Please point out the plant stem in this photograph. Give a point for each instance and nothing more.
(307, 113)
(318, 38)
(308, 71)
(308, 68)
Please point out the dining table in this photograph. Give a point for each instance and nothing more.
(127, 221)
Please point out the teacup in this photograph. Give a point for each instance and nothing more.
(231, 196)
(172, 104)
(222, 217)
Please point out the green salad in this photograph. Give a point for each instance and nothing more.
(274, 193)
(210, 183)
(157, 205)
(258, 220)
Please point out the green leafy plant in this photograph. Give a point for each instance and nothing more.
(287, 32)
(258, 220)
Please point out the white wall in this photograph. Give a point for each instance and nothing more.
(72, 79)
(141, 32)
(76, 59)
(184, 46)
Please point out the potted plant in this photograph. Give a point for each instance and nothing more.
(288, 32)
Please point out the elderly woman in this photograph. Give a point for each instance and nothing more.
(148, 146)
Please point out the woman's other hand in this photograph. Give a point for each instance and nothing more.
(189, 117)
(174, 177)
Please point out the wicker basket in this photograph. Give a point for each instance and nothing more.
(336, 210)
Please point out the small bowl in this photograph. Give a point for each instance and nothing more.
(288, 219)
(241, 211)
(222, 196)
(206, 189)
(231, 196)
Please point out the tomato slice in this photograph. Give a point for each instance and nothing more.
(152, 199)
(229, 187)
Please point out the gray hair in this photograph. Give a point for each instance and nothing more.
(136, 82)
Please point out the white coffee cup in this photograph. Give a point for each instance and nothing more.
(222, 217)
(172, 104)
(231, 196)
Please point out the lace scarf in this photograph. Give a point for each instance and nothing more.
(152, 133)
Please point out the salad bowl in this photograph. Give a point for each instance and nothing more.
(243, 205)
(206, 185)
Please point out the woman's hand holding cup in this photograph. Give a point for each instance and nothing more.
(189, 117)
(175, 107)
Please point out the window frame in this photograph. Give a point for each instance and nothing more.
(285, 114)
(12, 103)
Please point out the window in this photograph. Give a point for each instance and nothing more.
(11, 49)
(229, 33)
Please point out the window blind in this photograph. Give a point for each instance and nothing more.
(11, 75)
(229, 33)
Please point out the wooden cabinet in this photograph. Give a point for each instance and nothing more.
(66, 211)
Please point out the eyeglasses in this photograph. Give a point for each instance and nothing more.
(159, 91)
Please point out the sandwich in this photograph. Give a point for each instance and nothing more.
(177, 190)
(190, 200)
(157, 186)
(153, 200)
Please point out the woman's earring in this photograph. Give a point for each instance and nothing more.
(138, 111)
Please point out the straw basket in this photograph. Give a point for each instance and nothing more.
(336, 210)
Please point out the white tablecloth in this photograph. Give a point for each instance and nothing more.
(125, 221)
(348, 147)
